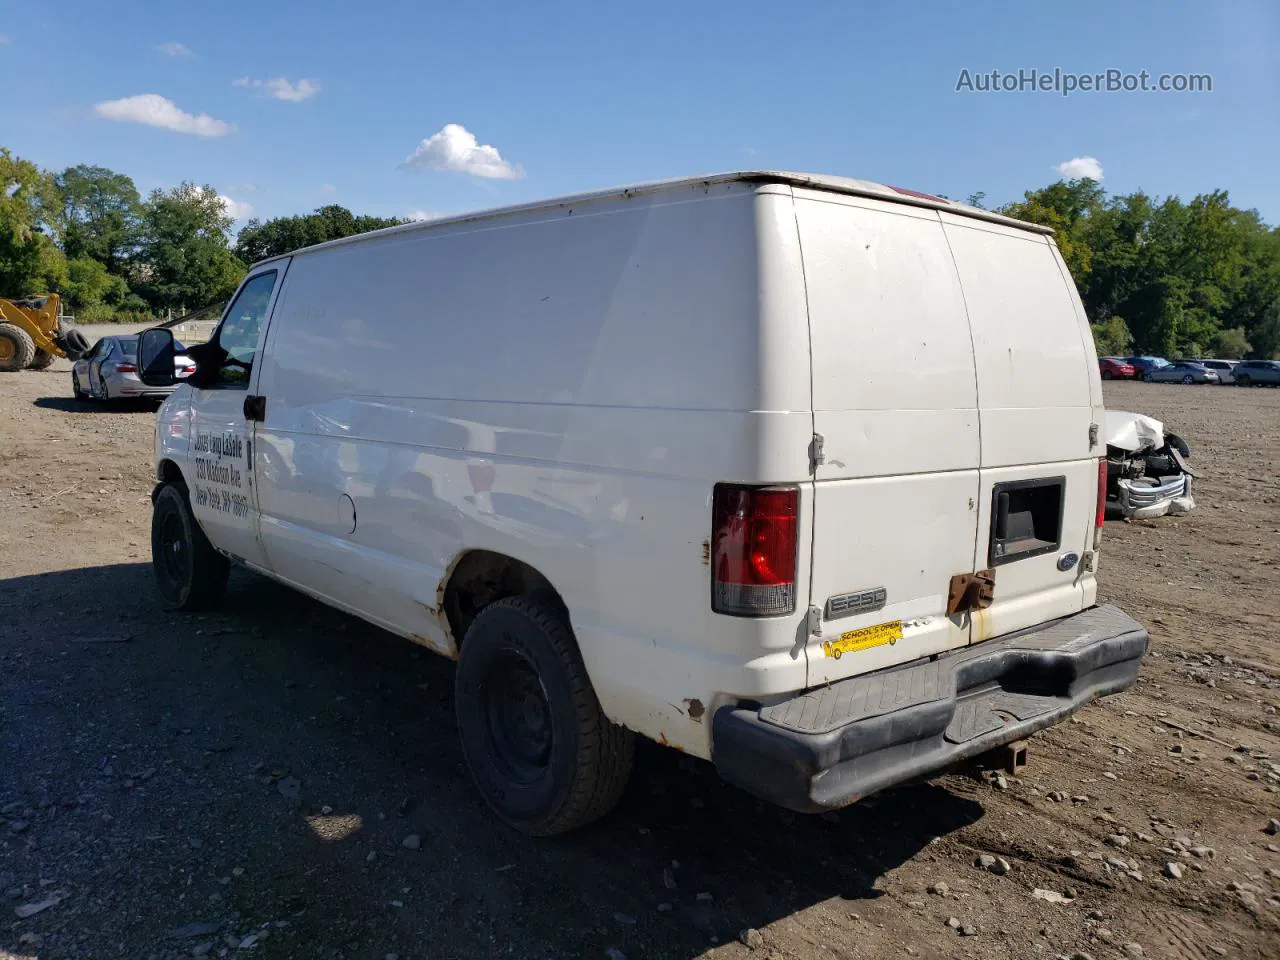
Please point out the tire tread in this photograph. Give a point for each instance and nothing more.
(209, 569)
(605, 750)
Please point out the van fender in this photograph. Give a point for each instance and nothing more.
(478, 577)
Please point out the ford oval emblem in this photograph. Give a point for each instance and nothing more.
(1067, 561)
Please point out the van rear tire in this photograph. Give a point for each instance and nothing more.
(190, 574)
(541, 751)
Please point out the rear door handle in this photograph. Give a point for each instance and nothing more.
(255, 407)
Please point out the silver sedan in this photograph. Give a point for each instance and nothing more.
(109, 371)
(1183, 371)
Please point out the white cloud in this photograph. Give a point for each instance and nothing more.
(154, 110)
(174, 49)
(280, 88)
(455, 148)
(328, 188)
(420, 215)
(1081, 168)
(236, 208)
(4, 39)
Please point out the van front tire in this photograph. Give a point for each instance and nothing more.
(540, 749)
(190, 574)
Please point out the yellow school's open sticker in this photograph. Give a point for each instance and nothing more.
(882, 634)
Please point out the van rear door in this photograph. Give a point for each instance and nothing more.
(1039, 397)
(895, 403)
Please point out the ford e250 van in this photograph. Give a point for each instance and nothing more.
(797, 474)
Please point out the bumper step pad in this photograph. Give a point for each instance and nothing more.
(835, 744)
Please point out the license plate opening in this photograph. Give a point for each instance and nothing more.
(1026, 519)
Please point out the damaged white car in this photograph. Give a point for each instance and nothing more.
(1147, 470)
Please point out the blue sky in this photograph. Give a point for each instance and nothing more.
(285, 106)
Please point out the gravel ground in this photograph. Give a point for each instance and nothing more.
(280, 780)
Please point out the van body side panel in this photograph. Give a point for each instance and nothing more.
(1033, 369)
(564, 387)
(1087, 579)
(895, 401)
(1036, 391)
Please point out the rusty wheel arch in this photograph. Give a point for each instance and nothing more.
(477, 578)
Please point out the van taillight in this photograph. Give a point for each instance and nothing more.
(753, 550)
(1102, 493)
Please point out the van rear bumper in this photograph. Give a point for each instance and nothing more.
(834, 745)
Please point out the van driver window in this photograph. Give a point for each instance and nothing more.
(241, 328)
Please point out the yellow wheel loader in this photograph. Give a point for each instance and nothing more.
(33, 332)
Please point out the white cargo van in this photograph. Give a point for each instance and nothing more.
(798, 474)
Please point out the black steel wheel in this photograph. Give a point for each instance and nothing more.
(519, 716)
(540, 749)
(190, 574)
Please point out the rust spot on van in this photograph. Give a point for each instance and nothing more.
(706, 553)
(662, 739)
(447, 649)
(695, 708)
(981, 626)
(970, 591)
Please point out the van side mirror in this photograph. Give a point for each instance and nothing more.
(155, 357)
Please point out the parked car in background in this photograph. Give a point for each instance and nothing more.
(1183, 371)
(1144, 365)
(1225, 369)
(1250, 373)
(1113, 368)
(109, 371)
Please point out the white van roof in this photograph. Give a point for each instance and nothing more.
(813, 181)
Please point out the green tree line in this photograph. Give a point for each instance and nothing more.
(1165, 277)
(88, 234)
(1156, 275)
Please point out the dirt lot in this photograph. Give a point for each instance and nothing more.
(244, 784)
